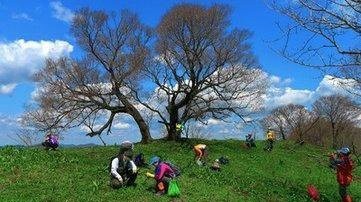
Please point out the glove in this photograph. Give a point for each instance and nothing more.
(120, 179)
(149, 174)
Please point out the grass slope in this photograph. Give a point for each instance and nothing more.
(80, 174)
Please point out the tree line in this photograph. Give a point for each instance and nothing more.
(333, 121)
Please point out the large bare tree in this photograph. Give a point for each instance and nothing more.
(341, 112)
(204, 68)
(325, 34)
(93, 90)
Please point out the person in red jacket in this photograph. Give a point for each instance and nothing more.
(344, 166)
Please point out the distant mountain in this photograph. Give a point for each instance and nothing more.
(79, 145)
(61, 146)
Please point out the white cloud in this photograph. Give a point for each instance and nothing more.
(20, 59)
(279, 95)
(331, 85)
(21, 16)
(274, 79)
(293, 96)
(87, 129)
(212, 121)
(61, 12)
(121, 125)
(6, 89)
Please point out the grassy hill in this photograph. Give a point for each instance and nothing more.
(80, 174)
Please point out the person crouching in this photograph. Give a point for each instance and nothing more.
(163, 174)
(123, 170)
(51, 142)
(200, 153)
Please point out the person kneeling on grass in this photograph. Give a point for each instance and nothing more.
(163, 174)
(344, 166)
(50, 142)
(200, 152)
(123, 171)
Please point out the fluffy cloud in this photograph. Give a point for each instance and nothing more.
(281, 94)
(6, 89)
(331, 85)
(20, 59)
(212, 121)
(21, 16)
(288, 95)
(86, 129)
(61, 12)
(121, 125)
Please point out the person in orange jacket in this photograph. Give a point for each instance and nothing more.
(344, 167)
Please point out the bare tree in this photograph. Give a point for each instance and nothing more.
(26, 136)
(275, 121)
(331, 37)
(289, 120)
(94, 90)
(203, 68)
(341, 112)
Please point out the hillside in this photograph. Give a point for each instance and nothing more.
(80, 174)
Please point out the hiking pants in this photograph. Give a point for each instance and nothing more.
(269, 145)
(48, 145)
(162, 185)
(342, 190)
(128, 180)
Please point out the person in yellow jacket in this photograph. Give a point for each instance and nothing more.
(270, 138)
(200, 152)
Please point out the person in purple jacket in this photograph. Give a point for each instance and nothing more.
(51, 142)
(163, 174)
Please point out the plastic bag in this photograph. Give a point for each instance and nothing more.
(173, 189)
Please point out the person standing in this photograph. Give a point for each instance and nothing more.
(344, 167)
(270, 138)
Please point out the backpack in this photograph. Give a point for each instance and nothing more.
(139, 160)
(223, 160)
(174, 168)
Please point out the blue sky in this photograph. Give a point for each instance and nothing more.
(30, 31)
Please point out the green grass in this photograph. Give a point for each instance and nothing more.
(80, 174)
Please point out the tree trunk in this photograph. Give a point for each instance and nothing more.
(173, 120)
(143, 127)
(131, 110)
(283, 134)
(334, 141)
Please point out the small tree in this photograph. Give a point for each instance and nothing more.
(203, 68)
(26, 136)
(341, 112)
(82, 92)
